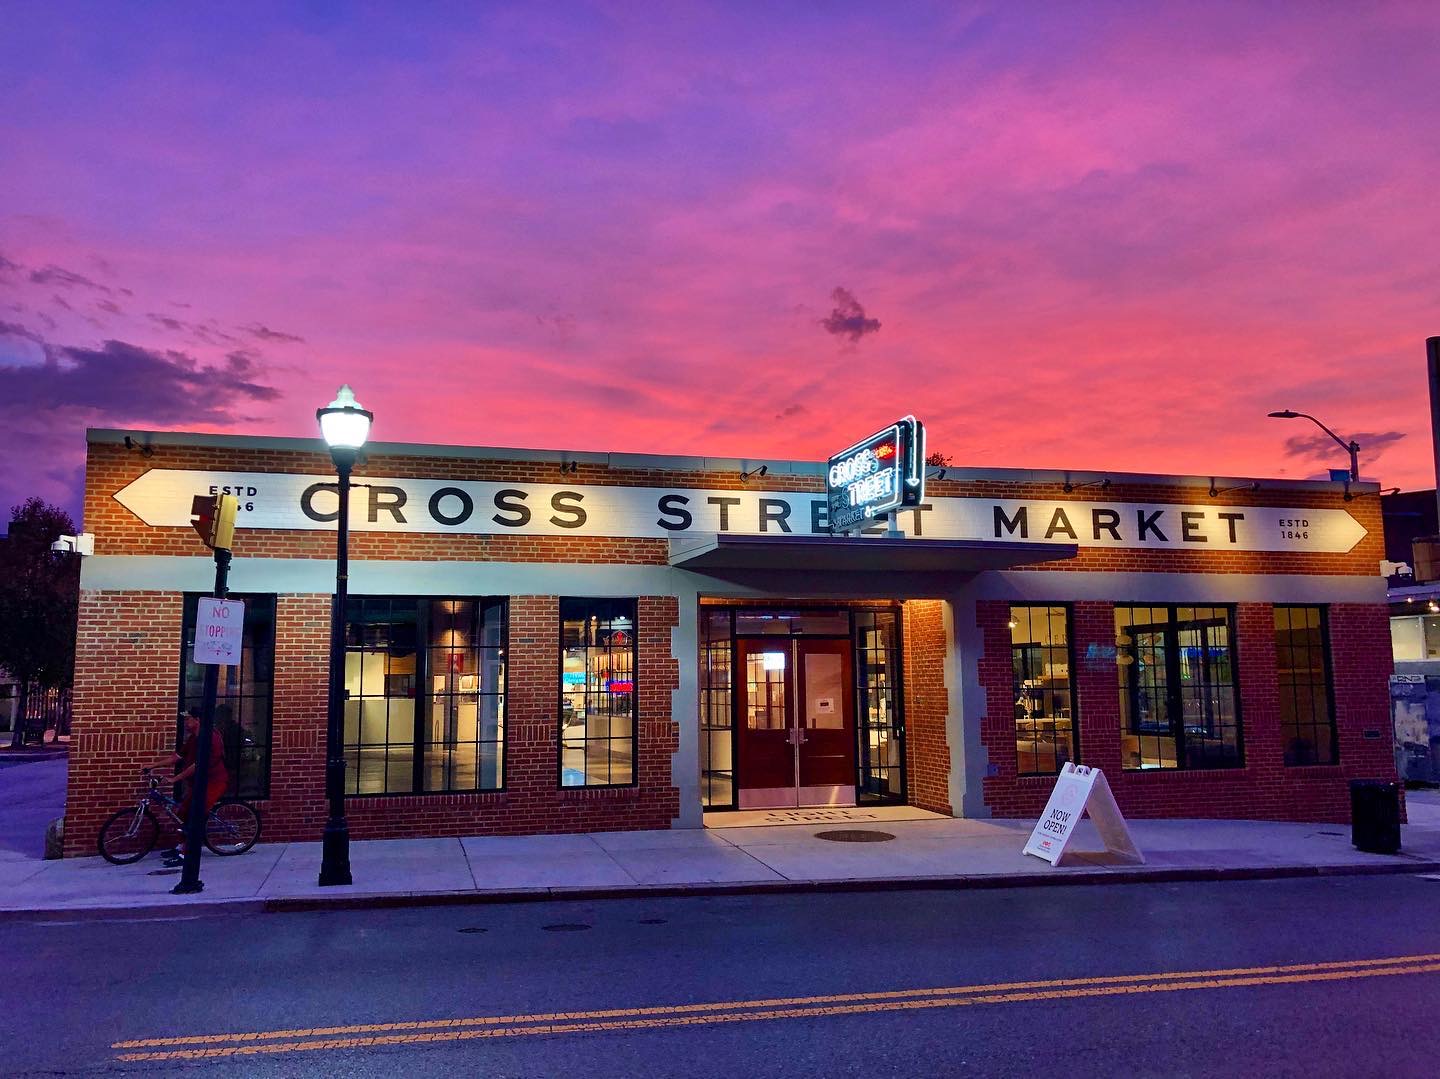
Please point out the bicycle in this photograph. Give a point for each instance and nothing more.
(232, 827)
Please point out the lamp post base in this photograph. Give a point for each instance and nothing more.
(335, 854)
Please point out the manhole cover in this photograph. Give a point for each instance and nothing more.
(473, 929)
(854, 835)
(565, 927)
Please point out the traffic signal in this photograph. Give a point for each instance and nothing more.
(214, 519)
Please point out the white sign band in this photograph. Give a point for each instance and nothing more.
(162, 497)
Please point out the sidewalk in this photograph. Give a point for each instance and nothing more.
(936, 853)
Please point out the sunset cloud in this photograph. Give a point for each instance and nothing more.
(847, 319)
(265, 333)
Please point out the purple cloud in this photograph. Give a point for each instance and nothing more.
(14, 329)
(137, 384)
(63, 278)
(1320, 446)
(46, 406)
(848, 318)
(265, 333)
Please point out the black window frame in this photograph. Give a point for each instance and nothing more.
(595, 603)
(1070, 680)
(1173, 683)
(1328, 673)
(717, 704)
(866, 773)
(190, 603)
(423, 699)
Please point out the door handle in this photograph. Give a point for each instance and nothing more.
(797, 737)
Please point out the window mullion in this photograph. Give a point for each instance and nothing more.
(1174, 693)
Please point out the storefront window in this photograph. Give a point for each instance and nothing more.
(1178, 704)
(424, 695)
(1407, 639)
(1307, 715)
(717, 734)
(1044, 698)
(245, 692)
(597, 692)
(882, 730)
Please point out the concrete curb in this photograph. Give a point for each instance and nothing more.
(393, 901)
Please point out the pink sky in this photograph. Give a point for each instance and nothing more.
(1100, 236)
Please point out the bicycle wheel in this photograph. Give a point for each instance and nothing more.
(128, 835)
(232, 828)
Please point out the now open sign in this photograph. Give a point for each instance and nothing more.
(219, 631)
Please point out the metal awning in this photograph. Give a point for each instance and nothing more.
(726, 554)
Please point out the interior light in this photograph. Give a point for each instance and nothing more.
(774, 661)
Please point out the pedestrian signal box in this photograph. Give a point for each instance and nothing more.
(213, 517)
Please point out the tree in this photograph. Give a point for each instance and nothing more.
(39, 600)
(937, 460)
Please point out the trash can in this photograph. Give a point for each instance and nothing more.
(1375, 815)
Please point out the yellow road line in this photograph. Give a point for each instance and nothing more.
(840, 1004)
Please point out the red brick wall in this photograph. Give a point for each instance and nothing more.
(125, 719)
(125, 700)
(1264, 789)
(927, 751)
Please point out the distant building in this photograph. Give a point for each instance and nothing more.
(9, 701)
(1414, 637)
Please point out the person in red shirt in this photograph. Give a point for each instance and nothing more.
(216, 779)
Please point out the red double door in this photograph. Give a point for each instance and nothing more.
(796, 723)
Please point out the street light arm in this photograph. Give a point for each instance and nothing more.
(1349, 445)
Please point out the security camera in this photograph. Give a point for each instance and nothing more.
(83, 544)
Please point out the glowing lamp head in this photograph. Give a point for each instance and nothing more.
(343, 423)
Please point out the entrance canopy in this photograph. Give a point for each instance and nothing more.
(855, 564)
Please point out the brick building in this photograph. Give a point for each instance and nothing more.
(550, 642)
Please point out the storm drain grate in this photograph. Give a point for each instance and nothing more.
(566, 927)
(652, 921)
(473, 929)
(854, 835)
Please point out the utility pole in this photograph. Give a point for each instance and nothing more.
(1432, 356)
(215, 521)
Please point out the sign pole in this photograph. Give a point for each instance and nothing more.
(190, 881)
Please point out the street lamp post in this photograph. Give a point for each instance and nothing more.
(1352, 447)
(345, 427)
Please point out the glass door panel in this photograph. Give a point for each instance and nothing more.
(766, 738)
(826, 738)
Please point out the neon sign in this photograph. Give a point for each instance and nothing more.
(877, 475)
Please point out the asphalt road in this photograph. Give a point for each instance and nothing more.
(32, 794)
(75, 991)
